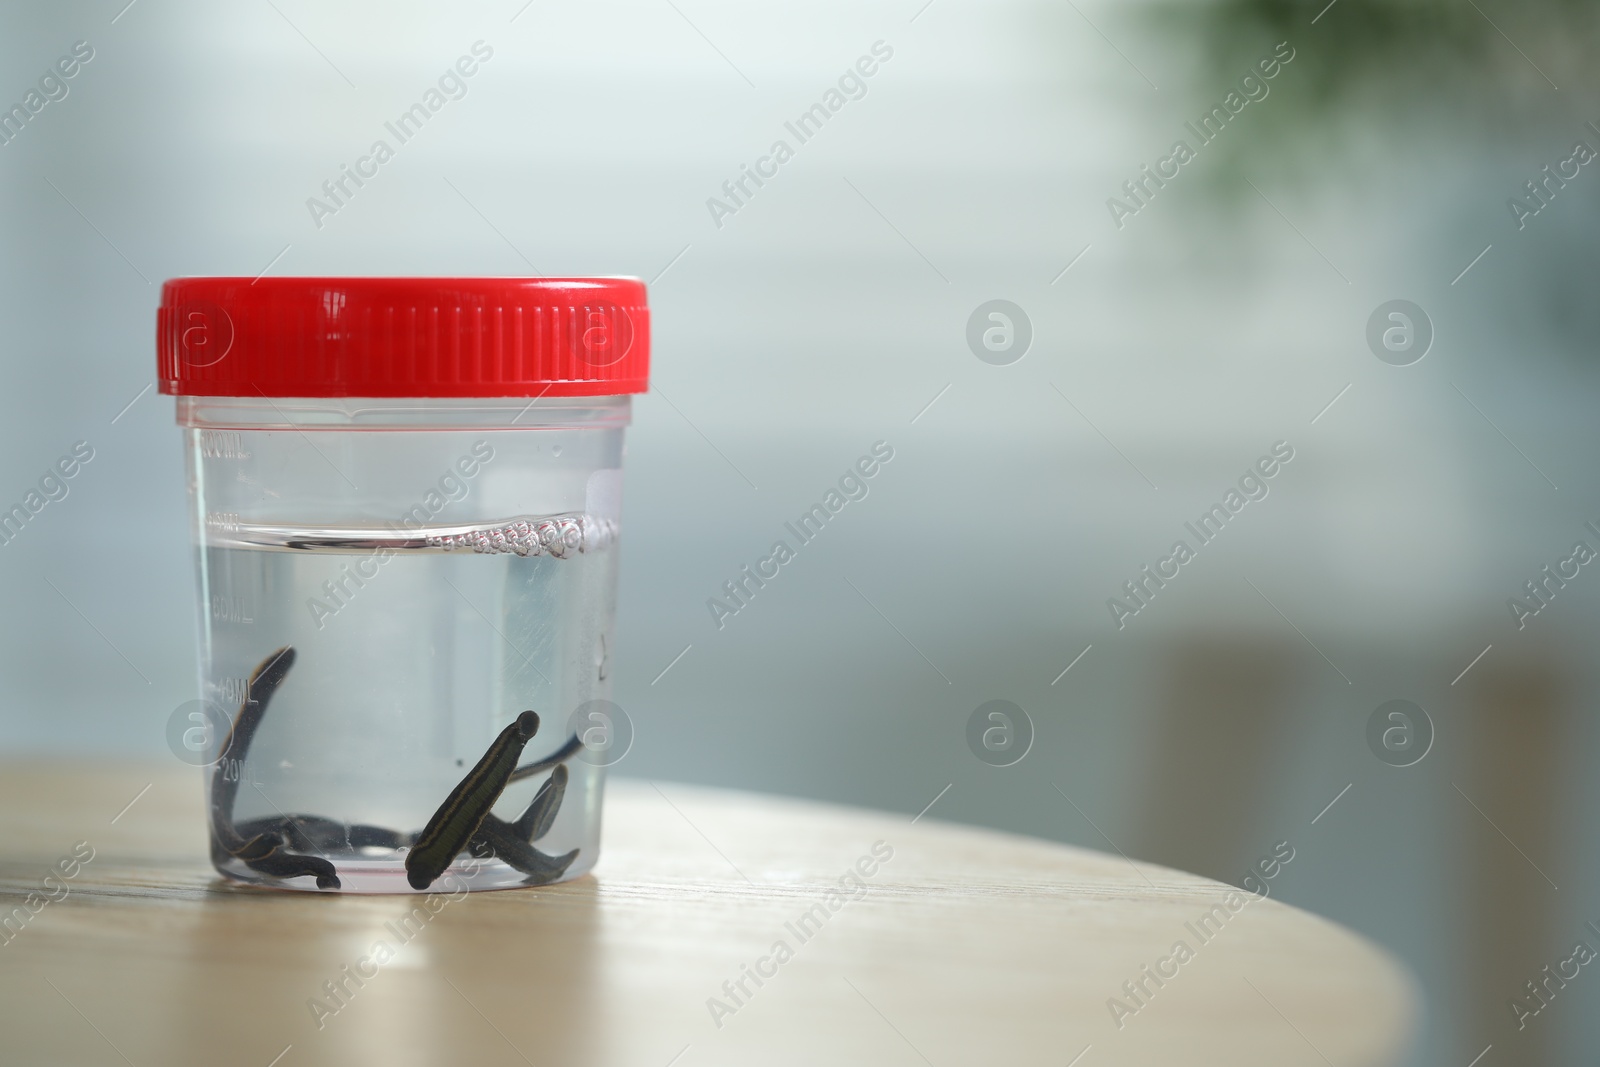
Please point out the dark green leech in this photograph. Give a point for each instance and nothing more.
(292, 865)
(464, 810)
(567, 750)
(510, 842)
(317, 833)
(262, 851)
(263, 682)
(499, 839)
(258, 845)
(535, 822)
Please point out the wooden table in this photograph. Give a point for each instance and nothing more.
(965, 947)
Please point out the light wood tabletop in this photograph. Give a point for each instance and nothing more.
(718, 928)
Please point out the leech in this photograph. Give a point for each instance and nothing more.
(499, 839)
(511, 843)
(535, 822)
(465, 809)
(262, 851)
(260, 844)
(292, 865)
(317, 833)
(559, 756)
(263, 682)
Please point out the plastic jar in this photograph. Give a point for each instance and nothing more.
(405, 497)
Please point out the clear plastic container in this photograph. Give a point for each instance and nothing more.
(387, 585)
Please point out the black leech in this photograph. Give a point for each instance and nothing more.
(465, 809)
(263, 851)
(568, 749)
(317, 833)
(499, 839)
(535, 822)
(290, 865)
(263, 682)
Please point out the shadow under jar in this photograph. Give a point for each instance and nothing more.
(405, 497)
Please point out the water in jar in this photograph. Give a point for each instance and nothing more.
(411, 654)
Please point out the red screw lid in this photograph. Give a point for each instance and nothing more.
(403, 337)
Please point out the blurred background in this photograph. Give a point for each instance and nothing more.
(1155, 353)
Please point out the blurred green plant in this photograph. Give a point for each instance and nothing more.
(1381, 66)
